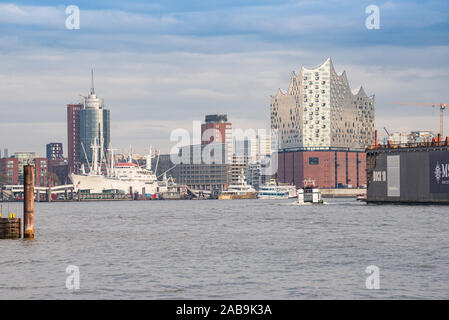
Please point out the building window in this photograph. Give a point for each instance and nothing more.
(314, 160)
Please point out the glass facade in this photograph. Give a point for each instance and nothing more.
(106, 129)
(94, 126)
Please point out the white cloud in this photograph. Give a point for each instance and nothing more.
(154, 83)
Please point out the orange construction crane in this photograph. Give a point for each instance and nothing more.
(442, 106)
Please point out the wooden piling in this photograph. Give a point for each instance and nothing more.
(28, 202)
(49, 194)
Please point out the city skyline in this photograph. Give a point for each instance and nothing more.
(173, 63)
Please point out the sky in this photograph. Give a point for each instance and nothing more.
(159, 65)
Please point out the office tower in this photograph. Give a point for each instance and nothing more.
(94, 127)
(88, 124)
(217, 129)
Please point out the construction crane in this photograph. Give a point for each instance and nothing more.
(442, 107)
(388, 134)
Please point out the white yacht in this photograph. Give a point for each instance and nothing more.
(242, 190)
(272, 190)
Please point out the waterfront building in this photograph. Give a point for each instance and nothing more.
(322, 128)
(196, 169)
(239, 164)
(13, 167)
(94, 127)
(24, 158)
(59, 171)
(41, 177)
(329, 169)
(217, 129)
(263, 146)
(87, 124)
(9, 171)
(54, 151)
(74, 137)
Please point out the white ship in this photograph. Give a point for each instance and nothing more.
(242, 190)
(272, 190)
(126, 177)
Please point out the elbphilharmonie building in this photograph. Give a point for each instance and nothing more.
(319, 111)
(322, 129)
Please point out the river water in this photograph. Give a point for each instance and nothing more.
(239, 249)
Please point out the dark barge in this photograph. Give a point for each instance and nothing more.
(410, 173)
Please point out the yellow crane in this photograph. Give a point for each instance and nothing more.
(442, 107)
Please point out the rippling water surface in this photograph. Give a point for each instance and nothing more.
(240, 249)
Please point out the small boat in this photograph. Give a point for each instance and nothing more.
(272, 190)
(361, 197)
(310, 194)
(242, 190)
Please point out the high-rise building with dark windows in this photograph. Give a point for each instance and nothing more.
(54, 151)
(88, 124)
(94, 127)
(73, 136)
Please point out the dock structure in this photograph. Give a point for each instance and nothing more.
(16, 192)
(10, 228)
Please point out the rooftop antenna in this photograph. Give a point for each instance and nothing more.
(92, 91)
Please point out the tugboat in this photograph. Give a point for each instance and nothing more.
(242, 190)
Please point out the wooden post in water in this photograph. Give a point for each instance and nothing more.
(49, 194)
(28, 202)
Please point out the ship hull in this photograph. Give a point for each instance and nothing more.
(99, 184)
(227, 196)
(271, 197)
(408, 175)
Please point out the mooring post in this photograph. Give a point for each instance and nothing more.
(28, 202)
(49, 194)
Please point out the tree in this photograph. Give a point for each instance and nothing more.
(54, 179)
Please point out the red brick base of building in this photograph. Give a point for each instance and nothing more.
(329, 169)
